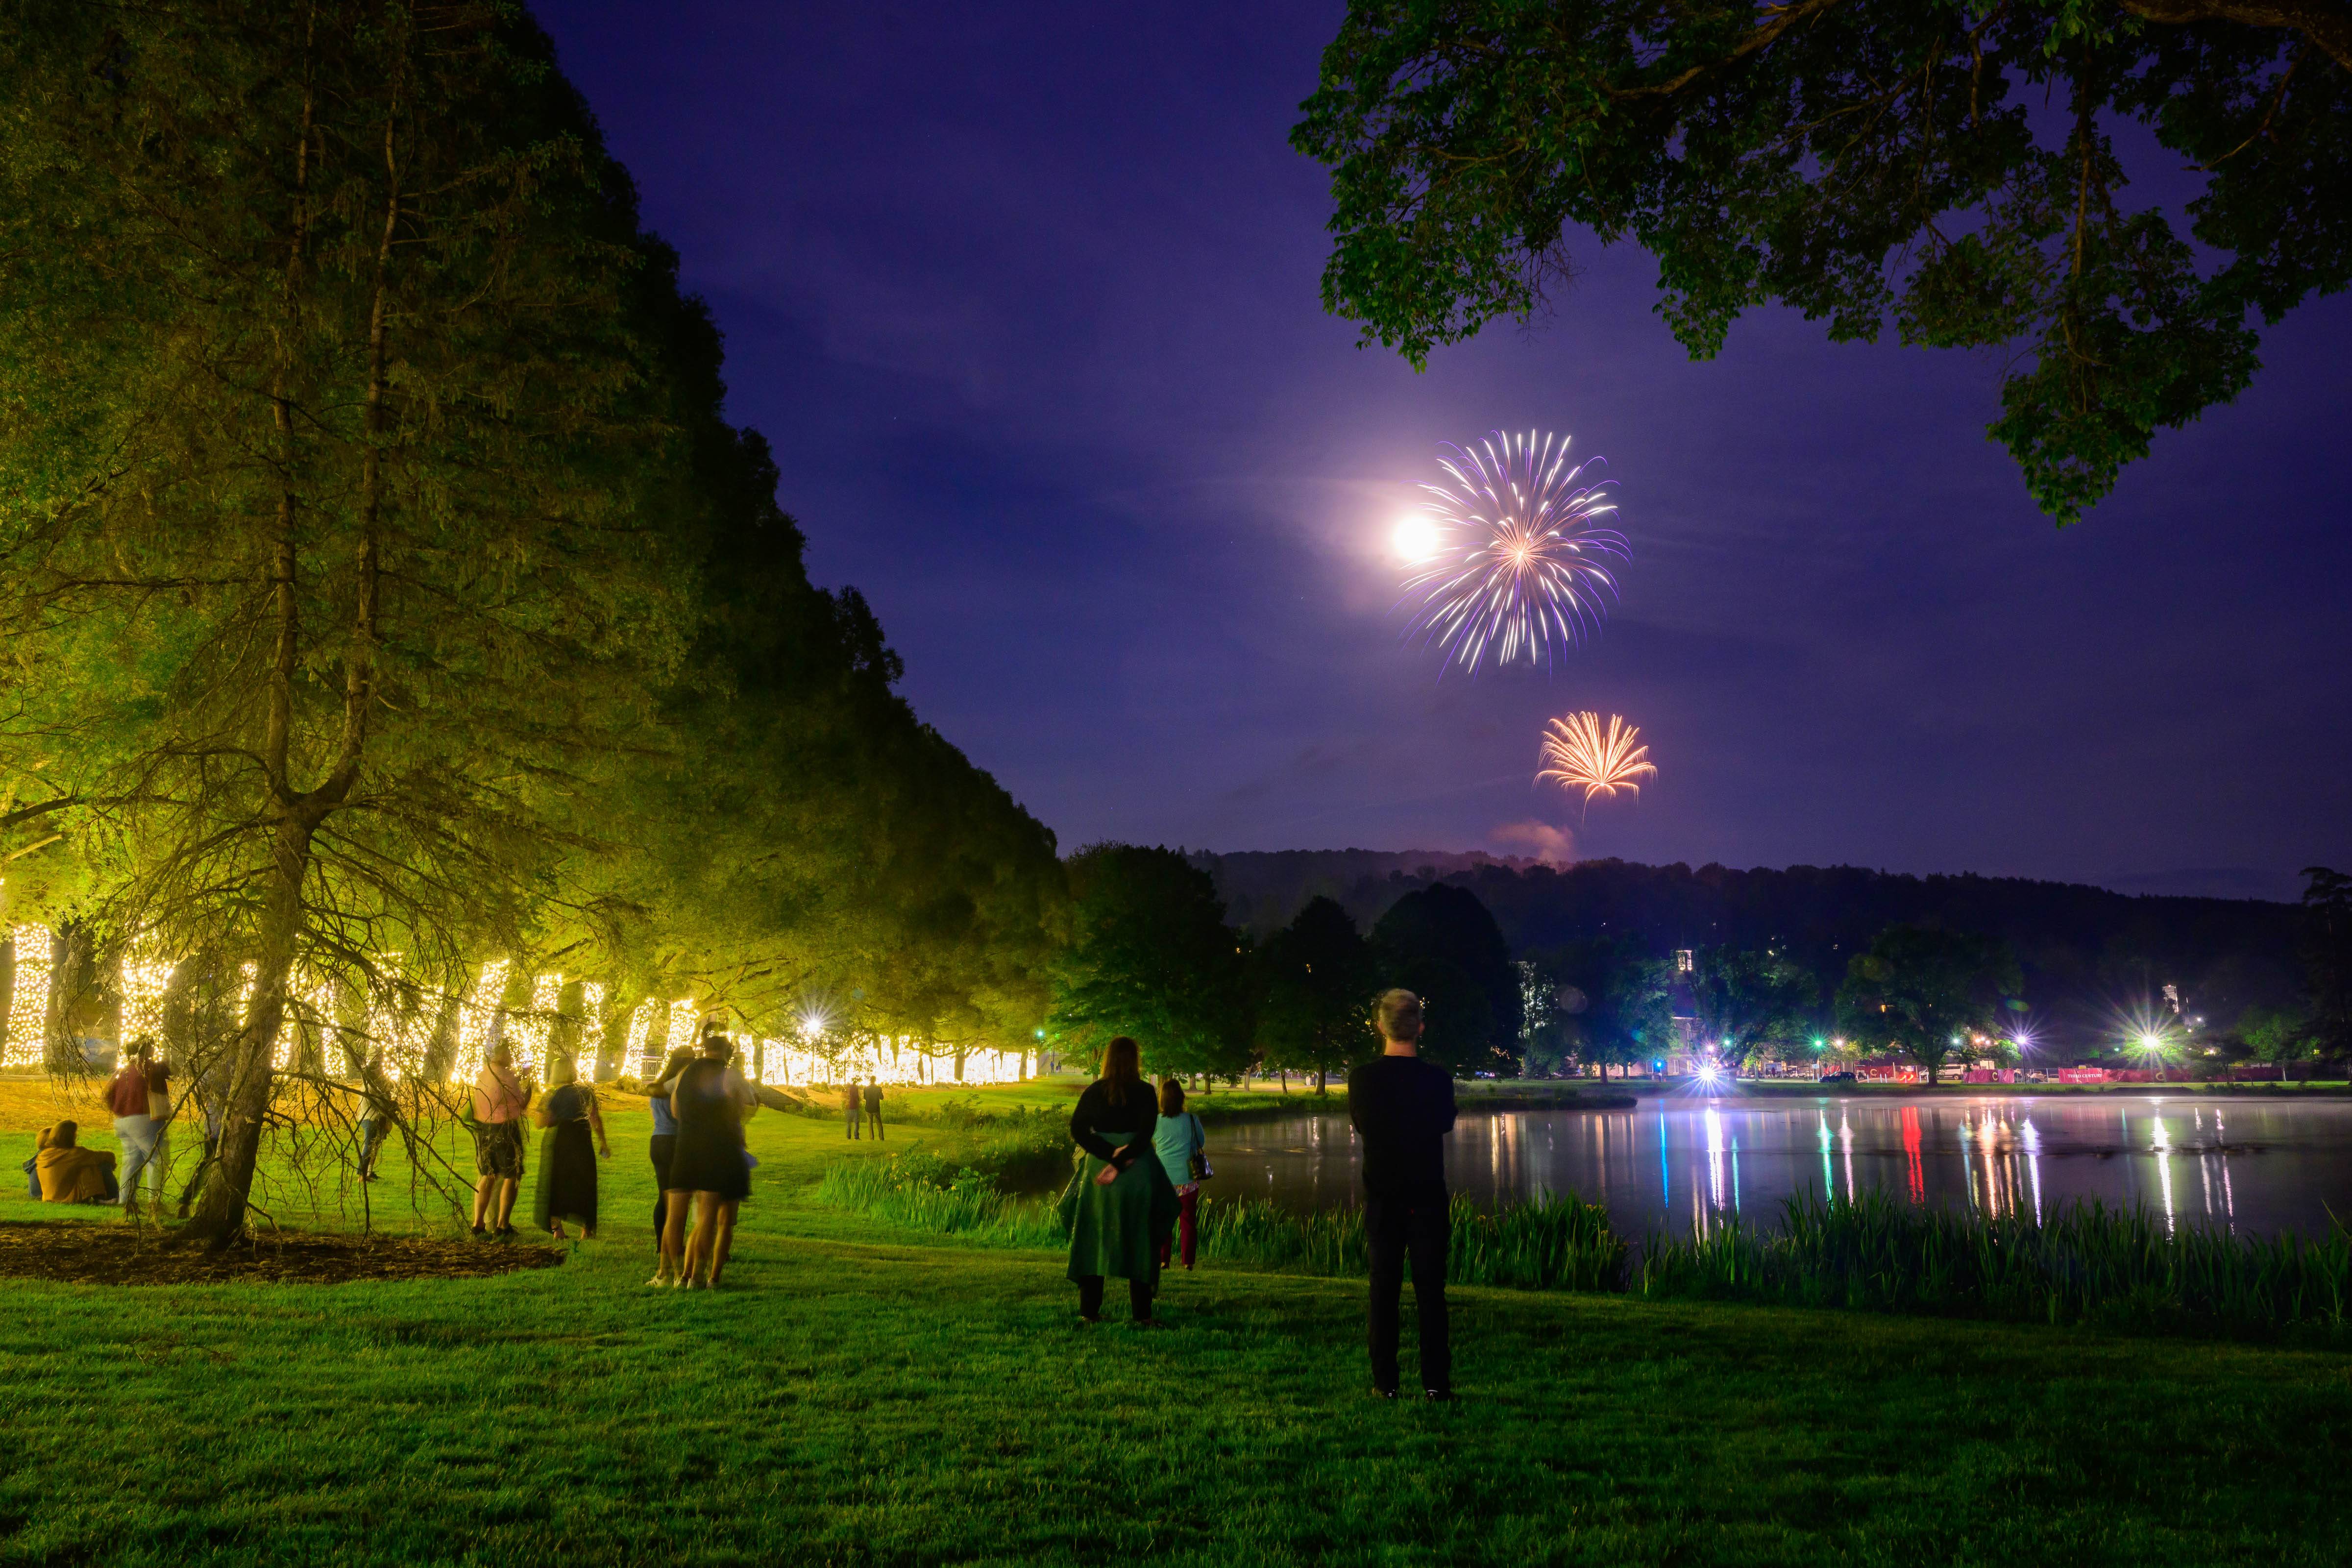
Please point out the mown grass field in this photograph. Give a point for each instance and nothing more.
(861, 1396)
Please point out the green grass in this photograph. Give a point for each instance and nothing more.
(865, 1396)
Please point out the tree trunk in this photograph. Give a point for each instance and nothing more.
(1322, 1082)
(219, 1218)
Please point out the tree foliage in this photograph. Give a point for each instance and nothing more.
(1149, 956)
(2327, 955)
(1924, 992)
(1749, 998)
(1441, 944)
(1314, 989)
(1956, 167)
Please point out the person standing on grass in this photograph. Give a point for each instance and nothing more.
(708, 1169)
(1120, 1204)
(135, 1127)
(377, 1114)
(874, 1105)
(567, 1165)
(500, 1098)
(661, 1146)
(1181, 1143)
(853, 1105)
(1403, 1107)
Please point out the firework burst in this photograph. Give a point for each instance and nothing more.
(1579, 754)
(1508, 560)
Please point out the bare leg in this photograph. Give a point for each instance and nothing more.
(699, 1246)
(726, 1239)
(673, 1237)
(508, 1186)
(482, 1190)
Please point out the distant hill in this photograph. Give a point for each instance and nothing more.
(2089, 952)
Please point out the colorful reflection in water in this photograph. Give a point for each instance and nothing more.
(2254, 1164)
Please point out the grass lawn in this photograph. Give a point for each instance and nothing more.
(856, 1398)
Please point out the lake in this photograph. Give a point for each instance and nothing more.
(2252, 1165)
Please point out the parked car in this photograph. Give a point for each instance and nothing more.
(1838, 1077)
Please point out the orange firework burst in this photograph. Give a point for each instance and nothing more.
(1577, 753)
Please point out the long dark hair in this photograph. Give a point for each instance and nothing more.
(1172, 1098)
(1122, 1069)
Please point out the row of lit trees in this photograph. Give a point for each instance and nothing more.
(386, 595)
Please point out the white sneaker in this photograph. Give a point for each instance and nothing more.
(660, 1280)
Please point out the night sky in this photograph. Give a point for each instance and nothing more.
(1026, 297)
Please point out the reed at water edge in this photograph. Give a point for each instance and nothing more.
(1548, 1244)
(2083, 1263)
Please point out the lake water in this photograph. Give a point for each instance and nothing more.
(2257, 1166)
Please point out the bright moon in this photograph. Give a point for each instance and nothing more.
(1416, 539)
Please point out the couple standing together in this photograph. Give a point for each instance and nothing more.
(1123, 1201)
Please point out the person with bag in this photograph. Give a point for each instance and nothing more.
(1182, 1145)
(1119, 1203)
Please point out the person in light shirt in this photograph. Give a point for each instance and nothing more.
(501, 1098)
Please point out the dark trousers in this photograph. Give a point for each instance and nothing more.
(661, 1145)
(854, 1117)
(874, 1119)
(1394, 1229)
(1139, 1297)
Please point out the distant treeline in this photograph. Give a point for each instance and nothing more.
(2086, 952)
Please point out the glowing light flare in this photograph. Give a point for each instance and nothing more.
(1414, 539)
(1579, 754)
(1516, 564)
(28, 1004)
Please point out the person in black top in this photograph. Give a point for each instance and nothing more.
(1119, 1204)
(1402, 1109)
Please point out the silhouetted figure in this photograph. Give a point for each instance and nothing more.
(1402, 1109)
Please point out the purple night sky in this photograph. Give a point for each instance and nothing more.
(1026, 299)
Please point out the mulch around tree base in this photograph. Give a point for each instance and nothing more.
(114, 1252)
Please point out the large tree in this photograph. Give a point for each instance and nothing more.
(1956, 167)
(338, 535)
(1924, 992)
(2326, 941)
(1747, 998)
(1151, 956)
(1442, 945)
(1315, 992)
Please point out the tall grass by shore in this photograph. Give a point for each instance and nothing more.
(2084, 1263)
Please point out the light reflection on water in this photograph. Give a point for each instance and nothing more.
(2255, 1165)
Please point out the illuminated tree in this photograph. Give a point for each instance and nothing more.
(1924, 992)
(337, 541)
(1747, 999)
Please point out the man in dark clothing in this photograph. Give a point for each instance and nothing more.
(1402, 1109)
(873, 1106)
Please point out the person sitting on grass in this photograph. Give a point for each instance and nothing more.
(70, 1174)
(1121, 1204)
(500, 1098)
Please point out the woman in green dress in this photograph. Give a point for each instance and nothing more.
(1119, 1204)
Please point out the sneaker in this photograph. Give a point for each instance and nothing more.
(480, 1234)
(1438, 1395)
(1384, 1393)
(659, 1282)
